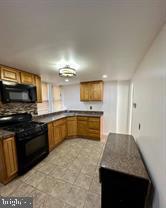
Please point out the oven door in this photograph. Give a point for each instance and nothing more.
(32, 150)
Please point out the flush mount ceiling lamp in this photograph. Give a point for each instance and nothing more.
(67, 71)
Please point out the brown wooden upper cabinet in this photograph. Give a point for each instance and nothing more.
(10, 74)
(91, 91)
(38, 88)
(18, 76)
(27, 78)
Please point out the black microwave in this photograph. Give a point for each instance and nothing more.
(14, 92)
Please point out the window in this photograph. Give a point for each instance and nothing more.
(56, 98)
(51, 96)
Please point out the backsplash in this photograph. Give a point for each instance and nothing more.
(11, 108)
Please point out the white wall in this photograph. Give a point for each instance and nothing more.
(113, 91)
(150, 96)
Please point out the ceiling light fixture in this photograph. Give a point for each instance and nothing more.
(104, 76)
(67, 71)
(66, 80)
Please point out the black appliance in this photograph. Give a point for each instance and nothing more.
(31, 139)
(14, 92)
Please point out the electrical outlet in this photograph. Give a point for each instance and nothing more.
(134, 105)
(139, 126)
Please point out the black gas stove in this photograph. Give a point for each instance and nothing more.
(31, 139)
(18, 128)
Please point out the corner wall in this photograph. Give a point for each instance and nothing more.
(149, 85)
(115, 100)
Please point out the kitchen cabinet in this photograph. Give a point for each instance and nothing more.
(96, 91)
(74, 126)
(89, 127)
(9, 74)
(27, 78)
(84, 91)
(82, 123)
(38, 88)
(59, 130)
(91, 91)
(18, 76)
(51, 142)
(8, 160)
(56, 133)
(71, 126)
(63, 131)
(94, 127)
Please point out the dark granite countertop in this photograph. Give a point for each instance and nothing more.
(52, 117)
(5, 134)
(121, 154)
(55, 116)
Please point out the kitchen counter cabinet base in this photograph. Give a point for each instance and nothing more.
(125, 182)
(8, 160)
(73, 127)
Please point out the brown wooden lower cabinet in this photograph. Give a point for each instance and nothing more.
(94, 127)
(82, 126)
(56, 133)
(8, 160)
(71, 126)
(75, 126)
(51, 136)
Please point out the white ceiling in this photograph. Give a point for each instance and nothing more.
(100, 36)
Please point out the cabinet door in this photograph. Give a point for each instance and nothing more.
(38, 89)
(63, 131)
(57, 135)
(82, 127)
(27, 78)
(72, 126)
(94, 128)
(10, 156)
(96, 91)
(51, 136)
(84, 91)
(10, 74)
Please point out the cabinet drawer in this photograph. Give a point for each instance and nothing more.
(93, 133)
(82, 118)
(59, 122)
(72, 118)
(94, 119)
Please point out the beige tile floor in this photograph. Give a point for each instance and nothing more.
(67, 178)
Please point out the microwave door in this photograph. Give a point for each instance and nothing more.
(22, 96)
(17, 95)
